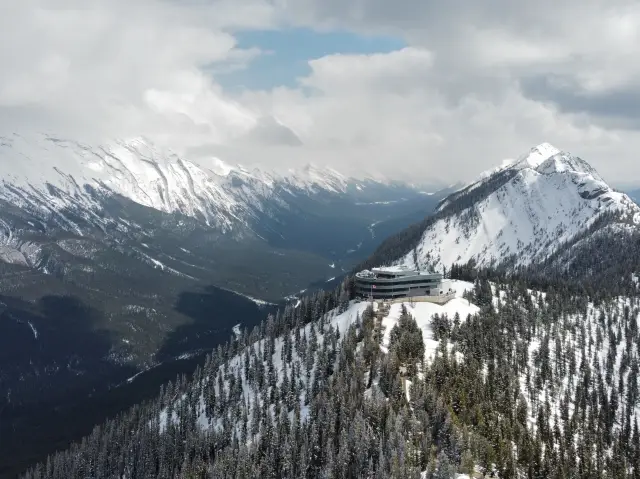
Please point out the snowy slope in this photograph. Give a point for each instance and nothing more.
(52, 186)
(334, 321)
(423, 312)
(311, 177)
(521, 211)
(609, 353)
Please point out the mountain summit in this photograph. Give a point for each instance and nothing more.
(546, 159)
(519, 213)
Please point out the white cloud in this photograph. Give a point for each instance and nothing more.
(479, 81)
(112, 68)
(503, 76)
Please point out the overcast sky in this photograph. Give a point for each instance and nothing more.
(414, 89)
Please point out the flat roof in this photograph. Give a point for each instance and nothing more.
(401, 270)
(393, 269)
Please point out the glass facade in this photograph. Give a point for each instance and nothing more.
(406, 284)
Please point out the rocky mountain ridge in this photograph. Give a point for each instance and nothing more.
(519, 213)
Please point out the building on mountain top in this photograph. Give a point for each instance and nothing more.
(399, 282)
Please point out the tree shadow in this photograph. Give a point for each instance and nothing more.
(52, 356)
(214, 312)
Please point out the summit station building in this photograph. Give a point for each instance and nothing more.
(394, 282)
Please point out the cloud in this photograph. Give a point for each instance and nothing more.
(269, 132)
(616, 107)
(502, 76)
(478, 82)
(115, 68)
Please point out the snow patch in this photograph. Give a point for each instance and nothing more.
(237, 331)
(33, 329)
(259, 302)
(220, 168)
(538, 155)
(424, 312)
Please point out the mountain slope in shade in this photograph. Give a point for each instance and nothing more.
(520, 213)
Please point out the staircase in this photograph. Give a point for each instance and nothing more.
(381, 313)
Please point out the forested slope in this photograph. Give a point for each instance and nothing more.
(535, 384)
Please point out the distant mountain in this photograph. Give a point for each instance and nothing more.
(521, 213)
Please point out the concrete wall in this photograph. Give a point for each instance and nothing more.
(439, 299)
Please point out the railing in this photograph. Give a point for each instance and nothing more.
(436, 298)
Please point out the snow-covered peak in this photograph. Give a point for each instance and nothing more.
(566, 163)
(533, 159)
(312, 177)
(544, 159)
(220, 168)
(547, 159)
(537, 155)
(521, 212)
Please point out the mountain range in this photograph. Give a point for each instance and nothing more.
(56, 184)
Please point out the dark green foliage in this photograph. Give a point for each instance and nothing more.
(406, 339)
(441, 327)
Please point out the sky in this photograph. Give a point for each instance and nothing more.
(410, 89)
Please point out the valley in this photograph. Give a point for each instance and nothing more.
(635, 195)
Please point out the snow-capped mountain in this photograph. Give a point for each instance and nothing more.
(518, 213)
(48, 173)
